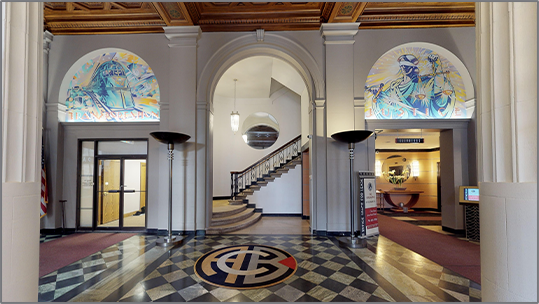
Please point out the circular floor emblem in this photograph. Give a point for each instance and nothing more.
(245, 266)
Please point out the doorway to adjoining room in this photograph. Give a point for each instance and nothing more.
(113, 185)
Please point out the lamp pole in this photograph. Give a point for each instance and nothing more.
(169, 138)
(351, 138)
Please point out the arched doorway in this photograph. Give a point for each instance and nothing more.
(273, 46)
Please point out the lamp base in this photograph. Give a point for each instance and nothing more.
(352, 242)
(168, 242)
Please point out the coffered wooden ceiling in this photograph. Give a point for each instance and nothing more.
(76, 18)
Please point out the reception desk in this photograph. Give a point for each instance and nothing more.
(391, 195)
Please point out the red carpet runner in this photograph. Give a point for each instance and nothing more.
(457, 255)
(56, 254)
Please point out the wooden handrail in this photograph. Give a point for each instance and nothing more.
(269, 155)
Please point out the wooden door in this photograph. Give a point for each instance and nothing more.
(142, 185)
(110, 194)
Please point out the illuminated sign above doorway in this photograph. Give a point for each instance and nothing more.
(113, 87)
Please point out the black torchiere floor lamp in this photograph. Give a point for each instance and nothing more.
(351, 138)
(169, 138)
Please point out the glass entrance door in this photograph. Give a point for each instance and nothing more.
(134, 197)
(109, 192)
(121, 193)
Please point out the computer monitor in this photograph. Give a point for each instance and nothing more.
(469, 194)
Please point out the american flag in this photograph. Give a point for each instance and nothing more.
(44, 192)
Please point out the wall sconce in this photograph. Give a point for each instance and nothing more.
(378, 168)
(415, 169)
(244, 136)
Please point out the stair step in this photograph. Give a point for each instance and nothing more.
(262, 183)
(276, 174)
(238, 217)
(255, 187)
(234, 226)
(269, 178)
(235, 202)
(227, 210)
(282, 170)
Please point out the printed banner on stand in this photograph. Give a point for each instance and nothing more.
(367, 200)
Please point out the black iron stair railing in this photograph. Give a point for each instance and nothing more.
(241, 180)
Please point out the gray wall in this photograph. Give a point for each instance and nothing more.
(154, 49)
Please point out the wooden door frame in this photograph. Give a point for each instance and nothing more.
(122, 158)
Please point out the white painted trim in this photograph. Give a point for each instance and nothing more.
(320, 103)
(359, 102)
(373, 124)
(275, 46)
(260, 35)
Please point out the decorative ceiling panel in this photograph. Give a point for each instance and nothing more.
(417, 14)
(68, 18)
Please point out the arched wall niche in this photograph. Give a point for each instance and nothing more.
(135, 90)
(390, 63)
(272, 46)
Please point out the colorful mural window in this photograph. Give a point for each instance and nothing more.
(113, 87)
(414, 83)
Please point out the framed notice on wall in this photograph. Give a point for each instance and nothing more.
(367, 204)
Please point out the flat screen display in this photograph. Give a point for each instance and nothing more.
(469, 194)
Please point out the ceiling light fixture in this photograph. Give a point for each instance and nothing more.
(235, 116)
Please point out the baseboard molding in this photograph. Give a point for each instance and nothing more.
(52, 231)
(215, 198)
(338, 233)
(320, 232)
(282, 214)
(454, 231)
(305, 217)
(163, 232)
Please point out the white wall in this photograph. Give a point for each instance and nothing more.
(154, 49)
(282, 196)
(305, 103)
(156, 152)
(230, 152)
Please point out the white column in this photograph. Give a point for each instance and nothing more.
(182, 117)
(319, 168)
(507, 149)
(47, 40)
(21, 147)
(340, 107)
(53, 113)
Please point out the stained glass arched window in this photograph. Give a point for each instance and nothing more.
(418, 81)
(114, 86)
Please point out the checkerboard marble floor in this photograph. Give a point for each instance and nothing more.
(136, 270)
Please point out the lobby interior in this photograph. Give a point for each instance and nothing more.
(312, 73)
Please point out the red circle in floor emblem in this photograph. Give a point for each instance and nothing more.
(245, 266)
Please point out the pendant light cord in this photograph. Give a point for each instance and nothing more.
(235, 84)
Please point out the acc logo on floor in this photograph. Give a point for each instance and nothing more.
(245, 266)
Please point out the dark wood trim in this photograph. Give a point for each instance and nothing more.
(282, 214)
(455, 231)
(56, 231)
(215, 198)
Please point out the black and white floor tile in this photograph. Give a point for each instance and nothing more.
(135, 270)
